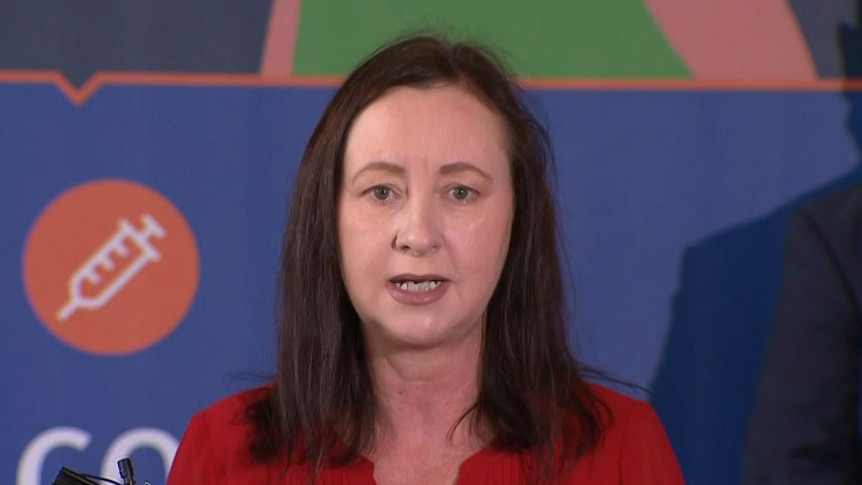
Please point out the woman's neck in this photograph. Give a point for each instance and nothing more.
(423, 394)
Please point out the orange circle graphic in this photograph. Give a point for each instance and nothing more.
(111, 267)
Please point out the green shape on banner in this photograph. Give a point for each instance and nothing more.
(548, 39)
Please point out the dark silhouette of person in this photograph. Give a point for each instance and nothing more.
(804, 426)
(725, 306)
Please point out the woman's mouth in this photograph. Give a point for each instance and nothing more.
(413, 289)
(417, 286)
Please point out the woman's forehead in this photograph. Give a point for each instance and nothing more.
(441, 123)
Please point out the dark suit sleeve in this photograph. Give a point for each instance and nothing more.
(804, 426)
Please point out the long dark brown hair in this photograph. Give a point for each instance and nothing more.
(532, 395)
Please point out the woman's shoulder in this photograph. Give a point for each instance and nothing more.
(232, 409)
(626, 415)
(618, 403)
(215, 445)
(224, 426)
(634, 448)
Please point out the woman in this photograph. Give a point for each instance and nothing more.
(423, 323)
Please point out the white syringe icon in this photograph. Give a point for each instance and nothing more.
(117, 244)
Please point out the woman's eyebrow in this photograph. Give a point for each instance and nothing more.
(459, 167)
(379, 167)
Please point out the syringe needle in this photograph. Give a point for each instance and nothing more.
(67, 310)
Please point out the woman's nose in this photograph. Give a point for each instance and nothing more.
(418, 230)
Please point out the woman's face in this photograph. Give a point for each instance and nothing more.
(424, 215)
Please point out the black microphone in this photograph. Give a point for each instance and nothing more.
(127, 471)
(71, 477)
(67, 476)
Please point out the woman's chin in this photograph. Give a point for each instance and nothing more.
(418, 336)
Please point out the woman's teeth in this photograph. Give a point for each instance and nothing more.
(417, 286)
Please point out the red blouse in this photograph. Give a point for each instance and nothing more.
(635, 451)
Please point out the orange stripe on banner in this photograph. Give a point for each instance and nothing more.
(695, 85)
(80, 95)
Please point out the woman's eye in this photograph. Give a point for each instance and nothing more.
(381, 193)
(461, 193)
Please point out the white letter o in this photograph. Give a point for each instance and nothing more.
(30, 466)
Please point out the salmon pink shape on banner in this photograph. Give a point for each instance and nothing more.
(280, 45)
(736, 40)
